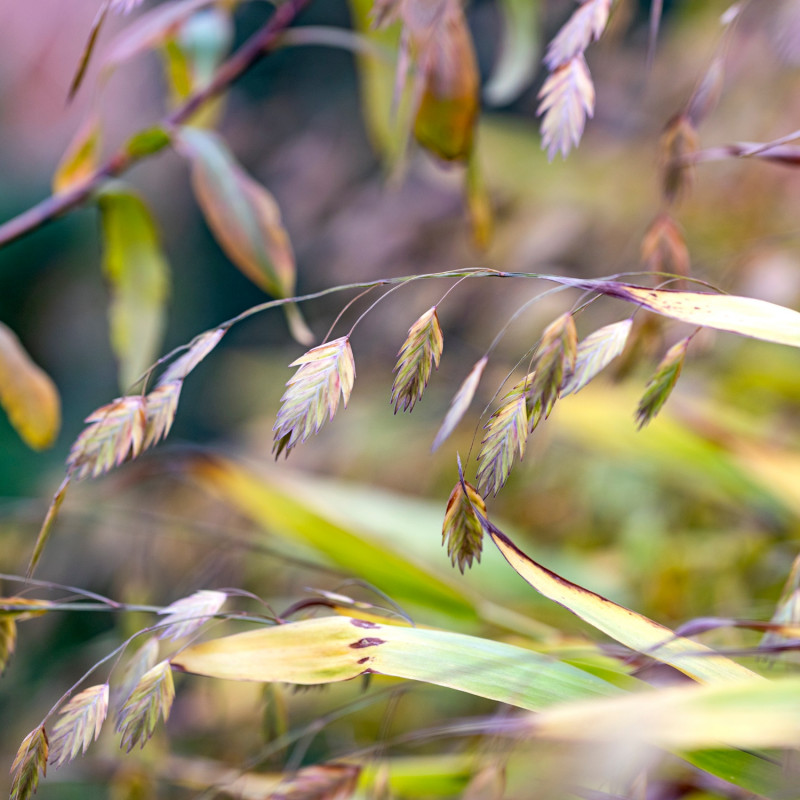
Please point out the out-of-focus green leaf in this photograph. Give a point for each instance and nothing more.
(388, 130)
(27, 394)
(147, 142)
(138, 274)
(625, 626)
(745, 714)
(191, 57)
(680, 452)
(80, 159)
(266, 502)
(518, 57)
(244, 218)
(339, 648)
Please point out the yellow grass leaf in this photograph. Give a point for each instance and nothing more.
(626, 626)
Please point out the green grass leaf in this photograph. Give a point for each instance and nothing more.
(332, 649)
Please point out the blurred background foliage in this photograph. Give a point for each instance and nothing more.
(697, 515)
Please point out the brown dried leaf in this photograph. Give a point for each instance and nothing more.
(586, 24)
(678, 143)
(460, 402)
(199, 349)
(462, 532)
(27, 394)
(660, 386)
(555, 361)
(185, 616)
(312, 394)
(567, 98)
(663, 247)
(80, 159)
(115, 433)
(8, 639)
(506, 434)
(31, 759)
(79, 724)
(595, 353)
(418, 356)
(448, 69)
(160, 408)
(151, 698)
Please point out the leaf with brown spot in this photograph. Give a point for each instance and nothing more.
(79, 724)
(417, 358)
(460, 402)
(462, 532)
(318, 651)
(30, 760)
(312, 393)
(27, 394)
(746, 316)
